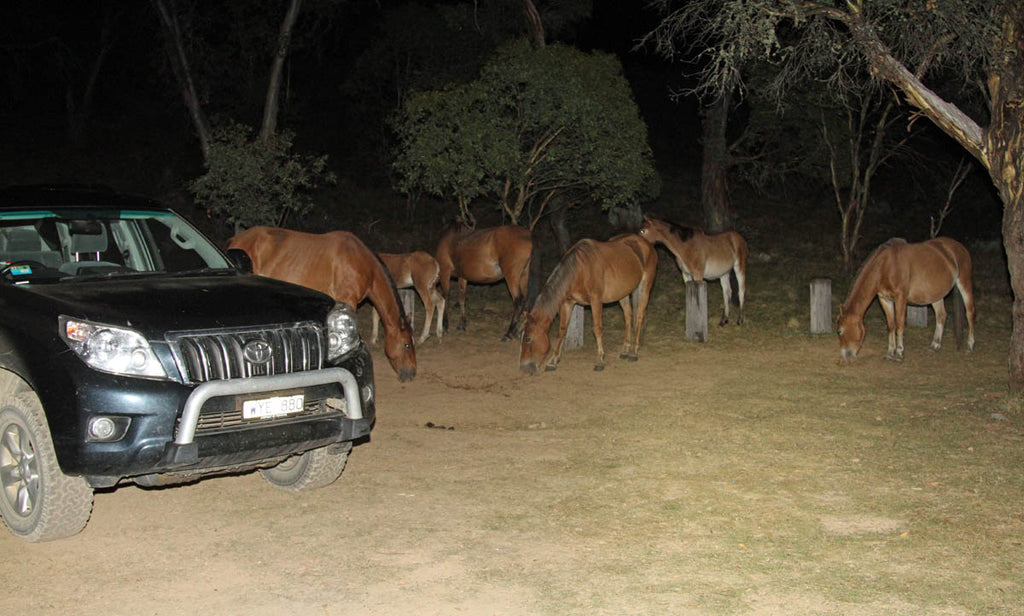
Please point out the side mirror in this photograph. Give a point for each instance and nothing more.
(240, 259)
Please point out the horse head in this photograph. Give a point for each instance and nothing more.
(400, 350)
(851, 332)
(535, 343)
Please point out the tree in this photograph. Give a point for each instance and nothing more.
(537, 124)
(256, 181)
(248, 180)
(910, 46)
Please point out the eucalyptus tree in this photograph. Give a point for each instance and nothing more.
(909, 46)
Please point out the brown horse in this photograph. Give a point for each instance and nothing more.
(418, 270)
(592, 273)
(486, 256)
(899, 273)
(704, 257)
(340, 265)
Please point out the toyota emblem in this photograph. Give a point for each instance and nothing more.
(256, 352)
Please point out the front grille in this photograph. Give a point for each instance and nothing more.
(217, 355)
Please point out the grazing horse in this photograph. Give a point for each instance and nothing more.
(704, 257)
(340, 265)
(486, 256)
(592, 273)
(418, 270)
(899, 273)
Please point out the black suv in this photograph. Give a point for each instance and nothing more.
(133, 349)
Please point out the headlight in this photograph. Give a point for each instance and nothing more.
(342, 331)
(111, 349)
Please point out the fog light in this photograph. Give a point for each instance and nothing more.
(367, 393)
(106, 429)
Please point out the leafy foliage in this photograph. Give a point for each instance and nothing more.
(251, 182)
(537, 124)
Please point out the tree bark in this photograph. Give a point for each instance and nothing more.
(1004, 153)
(714, 176)
(270, 108)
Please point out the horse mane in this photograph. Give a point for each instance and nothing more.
(560, 279)
(394, 288)
(681, 232)
(869, 263)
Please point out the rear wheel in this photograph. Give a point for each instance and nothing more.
(314, 469)
(37, 501)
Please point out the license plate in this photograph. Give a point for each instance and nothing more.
(272, 407)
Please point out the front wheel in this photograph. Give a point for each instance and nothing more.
(38, 502)
(314, 469)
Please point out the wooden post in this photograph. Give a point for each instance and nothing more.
(697, 311)
(917, 316)
(408, 297)
(574, 333)
(821, 306)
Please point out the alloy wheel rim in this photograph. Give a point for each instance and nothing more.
(19, 470)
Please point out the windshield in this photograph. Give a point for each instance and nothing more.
(60, 244)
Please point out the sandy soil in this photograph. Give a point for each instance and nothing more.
(483, 491)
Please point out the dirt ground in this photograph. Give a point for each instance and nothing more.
(746, 475)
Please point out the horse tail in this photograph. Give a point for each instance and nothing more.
(533, 281)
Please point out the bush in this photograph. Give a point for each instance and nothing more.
(251, 182)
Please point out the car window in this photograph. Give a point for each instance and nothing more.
(56, 244)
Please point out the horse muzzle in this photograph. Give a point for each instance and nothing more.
(847, 356)
(406, 374)
(529, 367)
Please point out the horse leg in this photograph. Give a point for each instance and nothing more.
(513, 325)
(564, 312)
(439, 304)
(890, 319)
(901, 323)
(428, 308)
(642, 296)
(376, 325)
(726, 298)
(596, 313)
(940, 323)
(964, 285)
(442, 315)
(626, 303)
(516, 284)
(741, 291)
(462, 304)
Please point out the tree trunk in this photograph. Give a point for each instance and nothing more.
(179, 63)
(1004, 149)
(714, 178)
(534, 24)
(272, 105)
(560, 227)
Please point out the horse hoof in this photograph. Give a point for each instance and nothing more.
(723, 322)
(550, 368)
(632, 358)
(894, 358)
(598, 367)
